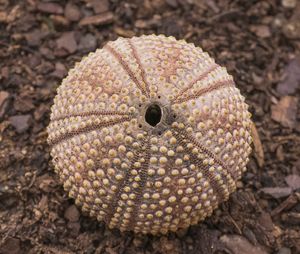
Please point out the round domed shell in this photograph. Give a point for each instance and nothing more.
(149, 134)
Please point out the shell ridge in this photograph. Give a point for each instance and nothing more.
(92, 113)
(136, 56)
(124, 183)
(70, 134)
(208, 152)
(126, 68)
(191, 84)
(139, 192)
(220, 192)
(215, 86)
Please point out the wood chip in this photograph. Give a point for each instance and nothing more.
(277, 192)
(72, 12)
(100, 6)
(102, 19)
(123, 32)
(4, 99)
(261, 31)
(287, 204)
(52, 8)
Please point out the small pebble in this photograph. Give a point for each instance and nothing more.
(72, 213)
(289, 3)
(20, 122)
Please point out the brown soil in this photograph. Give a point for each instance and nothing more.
(259, 43)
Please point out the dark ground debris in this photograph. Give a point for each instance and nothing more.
(259, 43)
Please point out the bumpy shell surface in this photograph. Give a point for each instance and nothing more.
(149, 134)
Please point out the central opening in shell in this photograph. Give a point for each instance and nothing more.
(153, 115)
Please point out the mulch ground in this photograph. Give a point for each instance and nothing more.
(258, 42)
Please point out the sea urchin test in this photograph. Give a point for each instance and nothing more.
(149, 134)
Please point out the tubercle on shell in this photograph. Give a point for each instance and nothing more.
(156, 173)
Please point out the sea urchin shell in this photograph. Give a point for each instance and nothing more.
(149, 134)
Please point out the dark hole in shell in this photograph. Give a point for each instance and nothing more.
(153, 115)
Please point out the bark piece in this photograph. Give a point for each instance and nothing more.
(4, 101)
(51, 8)
(277, 192)
(101, 19)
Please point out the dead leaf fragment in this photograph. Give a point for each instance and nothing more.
(293, 181)
(258, 148)
(291, 78)
(285, 111)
